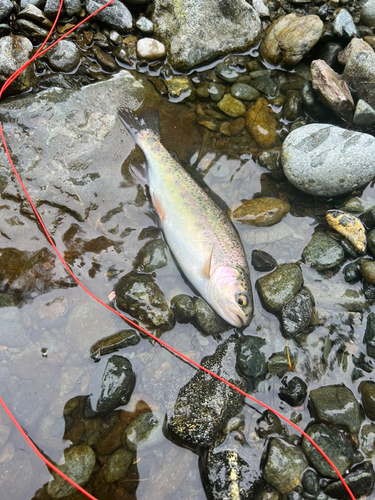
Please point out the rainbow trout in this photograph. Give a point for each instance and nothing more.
(203, 241)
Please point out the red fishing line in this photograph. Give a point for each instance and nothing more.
(159, 341)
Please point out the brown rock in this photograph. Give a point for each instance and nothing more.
(261, 123)
(261, 211)
(332, 90)
(237, 126)
(289, 38)
(231, 106)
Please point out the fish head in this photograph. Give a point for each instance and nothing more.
(230, 295)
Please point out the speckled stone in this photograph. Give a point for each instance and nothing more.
(261, 123)
(350, 227)
(324, 160)
(261, 211)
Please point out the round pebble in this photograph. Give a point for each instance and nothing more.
(65, 56)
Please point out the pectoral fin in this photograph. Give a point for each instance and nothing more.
(206, 270)
(158, 204)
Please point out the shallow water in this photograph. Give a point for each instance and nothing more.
(54, 368)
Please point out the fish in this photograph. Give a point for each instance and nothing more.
(203, 241)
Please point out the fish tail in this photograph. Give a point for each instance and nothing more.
(147, 120)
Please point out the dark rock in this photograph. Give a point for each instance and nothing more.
(139, 295)
(367, 268)
(265, 85)
(251, 358)
(278, 287)
(368, 218)
(361, 480)
(110, 388)
(32, 30)
(296, 314)
(329, 53)
(368, 290)
(278, 364)
(65, 56)
(73, 7)
(293, 106)
(284, 465)
(197, 32)
(334, 444)
(312, 105)
(367, 391)
(183, 308)
(244, 92)
(268, 424)
(210, 322)
(324, 160)
(51, 7)
(270, 160)
(225, 73)
(204, 404)
(336, 405)
(106, 61)
(113, 343)
(32, 13)
(351, 272)
(6, 7)
(116, 16)
(294, 391)
(348, 248)
(262, 261)
(310, 482)
(323, 252)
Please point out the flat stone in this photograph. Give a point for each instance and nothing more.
(324, 160)
(150, 49)
(34, 14)
(113, 343)
(261, 212)
(262, 261)
(289, 38)
(261, 123)
(349, 226)
(278, 287)
(323, 252)
(333, 91)
(195, 32)
(117, 465)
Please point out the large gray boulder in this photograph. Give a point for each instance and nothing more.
(196, 31)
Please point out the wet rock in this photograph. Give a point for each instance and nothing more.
(268, 424)
(312, 105)
(6, 7)
(336, 405)
(116, 16)
(50, 9)
(139, 295)
(261, 123)
(293, 106)
(270, 160)
(264, 84)
(150, 49)
(368, 218)
(343, 25)
(204, 404)
(359, 74)
(368, 13)
(183, 308)
(12, 331)
(244, 92)
(348, 226)
(329, 53)
(226, 73)
(367, 269)
(284, 465)
(113, 343)
(261, 212)
(197, 32)
(237, 126)
(367, 440)
(367, 391)
(145, 431)
(310, 482)
(278, 287)
(32, 13)
(14, 52)
(210, 322)
(361, 480)
(32, 30)
(145, 25)
(333, 91)
(371, 241)
(179, 86)
(355, 45)
(226, 472)
(323, 252)
(53, 309)
(72, 7)
(334, 444)
(231, 106)
(110, 388)
(364, 114)
(65, 56)
(106, 61)
(79, 465)
(324, 160)
(289, 38)
(278, 364)
(353, 205)
(296, 314)
(262, 261)
(293, 391)
(117, 465)
(152, 256)
(216, 91)
(351, 272)
(251, 357)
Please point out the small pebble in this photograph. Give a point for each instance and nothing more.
(350, 227)
(150, 49)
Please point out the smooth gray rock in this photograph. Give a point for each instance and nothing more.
(65, 56)
(359, 74)
(197, 31)
(51, 8)
(6, 7)
(117, 16)
(72, 7)
(368, 13)
(37, 3)
(364, 114)
(324, 160)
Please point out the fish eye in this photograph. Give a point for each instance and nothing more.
(242, 300)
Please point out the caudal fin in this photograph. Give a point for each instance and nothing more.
(147, 120)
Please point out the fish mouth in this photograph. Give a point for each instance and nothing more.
(234, 319)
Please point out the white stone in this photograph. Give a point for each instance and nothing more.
(150, 49)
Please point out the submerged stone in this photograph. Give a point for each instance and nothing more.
(323, 252)
(145, 431)
(261, 123)
(324, 160)
(210, 322)
(113, 343)
(231, 106)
